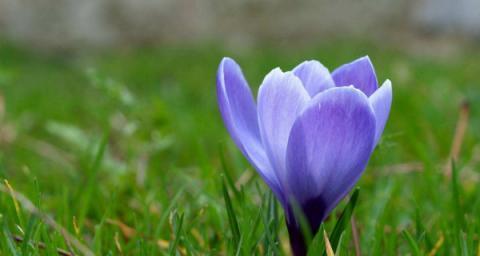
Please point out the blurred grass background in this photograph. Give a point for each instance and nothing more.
(123, 149)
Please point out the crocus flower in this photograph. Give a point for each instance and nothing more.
(310, 134)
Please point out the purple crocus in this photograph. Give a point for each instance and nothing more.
(310, 134)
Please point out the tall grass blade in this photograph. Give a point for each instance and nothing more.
(317, 247)
(232, 218)
(92, 178)
(456, 195)
(411, 242)
(177, 224)
(228, 176)
(8, 238)
(344, 219)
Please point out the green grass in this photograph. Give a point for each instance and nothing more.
(126, 151)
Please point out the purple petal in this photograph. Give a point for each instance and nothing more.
(328, 149)
(315, 77)
(359, 73)
(239, 114)
(281, 98)
(381, 102)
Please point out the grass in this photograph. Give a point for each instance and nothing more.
(126, 151)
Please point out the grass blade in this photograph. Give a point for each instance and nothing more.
(344, 219)
(228, 177)
(456, 205)
(270, 221)
(177, 223)
(92, 178)
(232, 218)
(317, 247)
(8, 238)
(412, 243)
(328, 246)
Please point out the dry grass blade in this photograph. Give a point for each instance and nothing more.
(355, 236)
(117, 244)
(458, 136)
(437, 246)
(164, 244)
(12, 194)
(328, 246)
(198, 237)
(244, 179)
(127, 231)
(32, 209)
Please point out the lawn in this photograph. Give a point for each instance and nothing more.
(123, 152)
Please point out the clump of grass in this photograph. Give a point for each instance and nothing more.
(117, 154)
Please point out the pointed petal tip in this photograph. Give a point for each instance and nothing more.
(384, 90)
(223, 61)
(226, 58)
(360, 73)
(277, 70)
(366, 59)
(387, 82)
(278, 73)
(227, 61)
(222, 64)
(311, 62)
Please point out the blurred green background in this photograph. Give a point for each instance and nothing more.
(121, 143)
